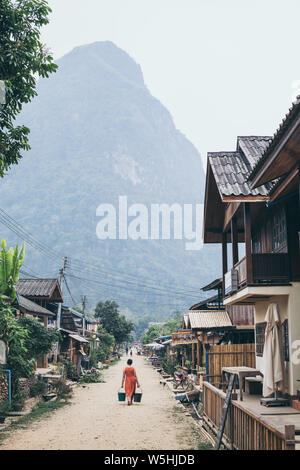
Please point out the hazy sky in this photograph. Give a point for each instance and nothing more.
(222, 67)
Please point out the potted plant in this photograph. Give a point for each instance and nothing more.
(188, 366)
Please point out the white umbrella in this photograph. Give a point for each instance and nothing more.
(272, 362)
(155, 345)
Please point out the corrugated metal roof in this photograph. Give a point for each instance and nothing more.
(78, 338)
(232, 169)
(33, 307)
(36, 287)
(208, 319)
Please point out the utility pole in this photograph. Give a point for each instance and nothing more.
(61, 278)
(83, 297)
(58, 317)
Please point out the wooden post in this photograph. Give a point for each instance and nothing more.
(193, 356)
(224, 259)
(234, 241)
(289, 431)
(198, 354)
(248, 249)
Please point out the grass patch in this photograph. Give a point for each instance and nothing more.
(114, 361)
(205, 446)
(42, 409)
(91, 379)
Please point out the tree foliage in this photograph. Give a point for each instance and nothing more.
(15, 337)
(23, 58)
(113, 322)
(40, 339)
(11, 262)
(104, 349)
(164, 329)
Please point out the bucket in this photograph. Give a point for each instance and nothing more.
(121, 395)
(137, 396)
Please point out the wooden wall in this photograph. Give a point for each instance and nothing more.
(228, 355)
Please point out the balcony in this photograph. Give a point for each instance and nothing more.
(263, 268)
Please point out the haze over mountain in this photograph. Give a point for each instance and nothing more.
(97, 134)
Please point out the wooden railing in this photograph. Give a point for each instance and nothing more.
(243, 429)
(272, 267)
(266, 267)
(241, 267)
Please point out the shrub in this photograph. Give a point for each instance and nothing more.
(4, 407)
(169, 366)
(91, 377)
(62, 389)
(94, 358)
(70, 370)
(18, 401)
(37, 388)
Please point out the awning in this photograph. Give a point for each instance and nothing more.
(78, 338)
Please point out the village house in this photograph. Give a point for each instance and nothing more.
(39, 298)
(214, 329)
(252, 203)
(80, 337)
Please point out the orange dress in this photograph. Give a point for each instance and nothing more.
(130, 382)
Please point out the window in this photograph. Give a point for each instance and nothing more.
(279, 230)
(260, 338)
(256, 242)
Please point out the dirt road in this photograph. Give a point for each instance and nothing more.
(96, 420)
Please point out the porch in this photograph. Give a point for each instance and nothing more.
(266, 262)
(249, 425)
(266, 268)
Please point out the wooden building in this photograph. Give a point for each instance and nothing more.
(252, 202)
(214, 323)
(39, 298)
(28, 308)
(44, 292)
(75, 346)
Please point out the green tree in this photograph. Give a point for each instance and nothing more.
(23, 58)
(40, 339)
(113, 322)
(165, 329)
(14, 336)
(152, 332)
(106, 342)
(11, 332)
(11, 262)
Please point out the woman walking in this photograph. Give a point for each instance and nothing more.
(131, 380)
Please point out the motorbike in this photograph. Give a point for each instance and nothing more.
(181, 379)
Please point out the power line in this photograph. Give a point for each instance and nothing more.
(68, 289)
(16, 228)
(95, 281)
(78, 265)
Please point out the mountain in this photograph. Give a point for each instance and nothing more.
(97, 133)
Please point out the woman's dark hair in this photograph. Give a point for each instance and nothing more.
(129, 362)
